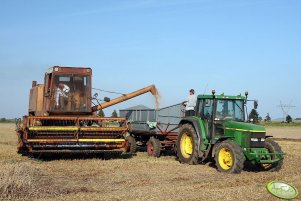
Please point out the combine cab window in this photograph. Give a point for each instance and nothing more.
(230, 110)
(71, 93)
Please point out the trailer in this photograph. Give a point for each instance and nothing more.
(156, 130)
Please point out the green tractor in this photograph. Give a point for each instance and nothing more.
(220, 131)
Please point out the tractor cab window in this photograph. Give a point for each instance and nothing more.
(71, 93)
(230, 110)
(208, 106)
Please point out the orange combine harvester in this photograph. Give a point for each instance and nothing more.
(61, 117)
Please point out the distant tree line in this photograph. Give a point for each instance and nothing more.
(4, 120)
(255, 118)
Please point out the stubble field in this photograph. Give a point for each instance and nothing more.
(137, 178)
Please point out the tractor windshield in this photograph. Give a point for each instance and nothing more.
(230, 110)
(71, 93)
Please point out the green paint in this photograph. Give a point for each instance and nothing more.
(241, 133)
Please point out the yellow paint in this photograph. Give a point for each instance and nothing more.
(104, 129)
(101, 140)
(252, 131)
(186, 145)
(53, 128)
(51, 140)
(74, 140)
(265, 166)
(225, 159)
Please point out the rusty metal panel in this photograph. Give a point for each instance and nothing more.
(36, 99)
(75, 70)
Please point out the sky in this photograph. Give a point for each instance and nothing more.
(231, 46)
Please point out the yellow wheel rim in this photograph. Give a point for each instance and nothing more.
(225, 159)
(265, 166)
(186, 145)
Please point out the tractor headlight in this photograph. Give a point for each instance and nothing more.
(254, 139)
(257, 139)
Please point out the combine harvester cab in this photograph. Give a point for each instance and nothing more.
(61, 117)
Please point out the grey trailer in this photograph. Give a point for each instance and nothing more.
(155, 129)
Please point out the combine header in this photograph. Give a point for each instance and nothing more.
(61, 117)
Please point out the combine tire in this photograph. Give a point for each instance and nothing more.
(187, 145)
(34, 156)
(273, 147)
(131, 146)
(229, 157)
(154, 147)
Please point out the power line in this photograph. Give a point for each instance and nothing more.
(285, 108)
(112, 92)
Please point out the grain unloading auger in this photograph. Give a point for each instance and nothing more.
(61, 117)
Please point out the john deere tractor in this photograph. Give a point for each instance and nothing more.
(220, 132)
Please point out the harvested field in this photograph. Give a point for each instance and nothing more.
(137, 178)
(285, 132)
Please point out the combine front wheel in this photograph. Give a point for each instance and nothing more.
(130, 145)
(229, 157)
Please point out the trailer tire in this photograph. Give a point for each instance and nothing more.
(154, 147)
(229, 157)
(187, 145)
(273, 147)
(131, 145)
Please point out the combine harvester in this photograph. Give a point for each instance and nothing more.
(61, 118)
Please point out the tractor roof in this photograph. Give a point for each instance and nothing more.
(222, 96)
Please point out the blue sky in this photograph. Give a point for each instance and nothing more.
(230, 46)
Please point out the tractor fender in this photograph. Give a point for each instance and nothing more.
(196, 127)
(215, 142)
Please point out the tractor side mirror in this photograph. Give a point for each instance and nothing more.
(106, 99)
(255, 104)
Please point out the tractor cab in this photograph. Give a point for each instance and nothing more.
(219, 110)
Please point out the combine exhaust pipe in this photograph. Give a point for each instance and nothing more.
(152, 89)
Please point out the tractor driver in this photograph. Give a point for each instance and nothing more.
(62, 94)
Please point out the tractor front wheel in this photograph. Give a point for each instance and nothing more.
(272, 147)
(229, 157)
(187, 145)
(154, 147)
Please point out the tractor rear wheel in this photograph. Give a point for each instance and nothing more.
(273, 147)
(187, 145)
(154, 147)
(131, 146)
(229, 157)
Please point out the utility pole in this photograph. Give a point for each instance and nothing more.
(285, 109)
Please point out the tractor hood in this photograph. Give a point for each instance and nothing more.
(240, 126)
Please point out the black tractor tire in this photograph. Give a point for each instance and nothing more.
(187, 145)
(273, 147)
(131, 146)
(229, 157)
(154, 147)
